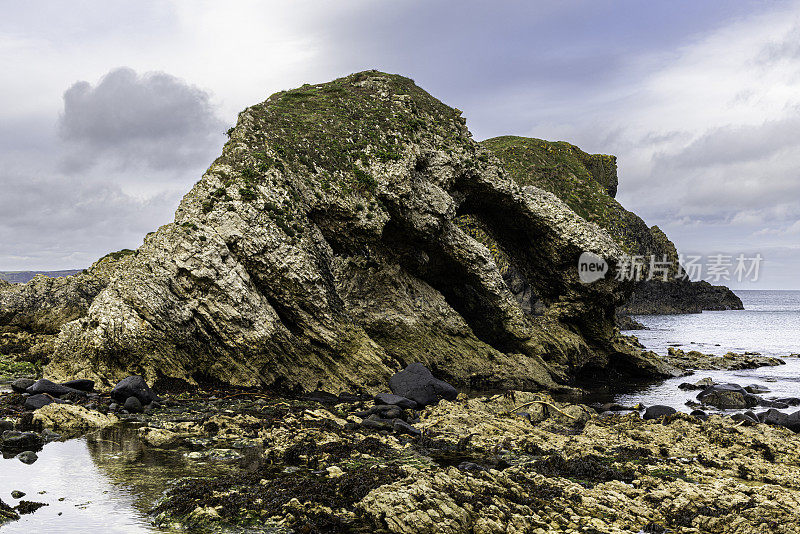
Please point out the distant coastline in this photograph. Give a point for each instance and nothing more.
(23, 277)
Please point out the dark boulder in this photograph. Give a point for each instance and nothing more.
(387, 411)
(777, 418)
(322, 397)
(133, 405)
(27, 457)
(401, 427)
(772, 404)
(396, 400)
(34, 402)
(134, 386)
(81, 384)
(48, 435)
(20, 385)
(417, 383)
(748, 418)
(700, 414)
(375, 422)
(728, 396)
(51, 388)
(14, 440)
(654, 412)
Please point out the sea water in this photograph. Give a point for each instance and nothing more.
(769, 325)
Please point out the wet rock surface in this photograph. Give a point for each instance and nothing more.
(728, 396)
(518, 461)
(731, 361)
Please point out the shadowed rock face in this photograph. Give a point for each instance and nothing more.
(322, 249)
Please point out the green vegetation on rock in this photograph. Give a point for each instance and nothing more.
(11, 368)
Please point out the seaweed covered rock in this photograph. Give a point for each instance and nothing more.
(323, 249)
(588, 184)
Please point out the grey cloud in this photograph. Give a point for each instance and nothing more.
(154, 120)
(733, 144)
(45, 221)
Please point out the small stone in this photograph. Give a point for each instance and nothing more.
(6, 424)
(133, 405)
(27, 457)
(17, 494)
(700, 414)
(334, 471)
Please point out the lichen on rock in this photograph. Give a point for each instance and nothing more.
(71, 419)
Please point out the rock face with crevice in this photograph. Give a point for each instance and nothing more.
(326, 248)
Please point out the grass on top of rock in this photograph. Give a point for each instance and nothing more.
(577, 178)
(340, 128)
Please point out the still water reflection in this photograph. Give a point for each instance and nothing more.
(103, 482)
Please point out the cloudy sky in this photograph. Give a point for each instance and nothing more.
(111, 110)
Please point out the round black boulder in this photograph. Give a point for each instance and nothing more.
(654, 412)
(134, 386)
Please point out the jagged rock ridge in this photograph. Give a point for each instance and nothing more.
(324, 248)
(32, 314)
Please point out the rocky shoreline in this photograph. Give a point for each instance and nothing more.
(511, 462)
(350, 266)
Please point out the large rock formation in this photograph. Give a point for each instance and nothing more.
(326, 248)
(588, 184)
